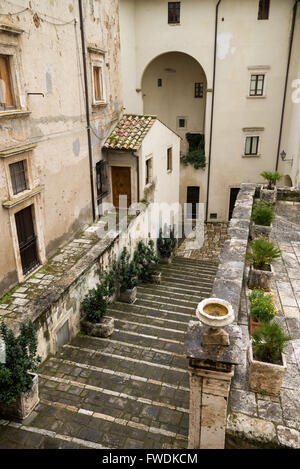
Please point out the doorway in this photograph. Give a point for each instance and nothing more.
(121, 184)
(192, 199)
(233, 195)
(26, 239)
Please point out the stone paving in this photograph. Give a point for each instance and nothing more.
(215, 235)
(274, 420)
(130, 390)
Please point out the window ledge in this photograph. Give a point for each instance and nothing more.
(100, 103)
(251, 156)
(13, 113)
(12, 151)
(18, 199)
(174, 24)
(5, 28)
(256, 97)
(169, 171)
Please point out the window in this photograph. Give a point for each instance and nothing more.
(251, 145)
(149, 171)
(181, 122)
(98, 84)
(18, 178)
(173, 12)
(169, 159)
(159, 82)
(101, 179)
(257, 85)
(6, 90)
(263, 9)
(198, 90)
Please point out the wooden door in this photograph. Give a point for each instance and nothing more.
(121, 184)
(26, 238)
(192, 199)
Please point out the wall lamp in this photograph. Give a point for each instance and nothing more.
(283, 157)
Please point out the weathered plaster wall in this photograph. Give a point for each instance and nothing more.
(48, 60)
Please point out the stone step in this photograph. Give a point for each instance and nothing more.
(164, 298)
(180, 295)
(195, 262)
(92, 400)
(188, 287)
(156, 368)
(156, 308)
(152, 319)
(184, 280)
(192, 274)
(189, 270)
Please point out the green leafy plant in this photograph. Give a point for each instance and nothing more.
(145, 260)
(262, 308)
(166, 241)
(94, 304)
(271, 178)
(263, 253)
(263, 213)
(195, 156)
(108, 280)
(127, 273)
(20, 359)
(268, 342)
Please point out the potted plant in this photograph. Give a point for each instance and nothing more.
(262, 216)
(94, 308)
(147, 262)
(269, 193)
(166, 244)
(108, 280)
(267, 364)
(127, 276)
(262, 255)
(262, 308)
(19, 393)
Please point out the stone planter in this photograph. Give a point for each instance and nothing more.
(128, 296)
(166, 260)
(105, 328)
(260, 231)
(25, 403)
(269, 195)
(156, 278)
(260, 278)
(265, 377)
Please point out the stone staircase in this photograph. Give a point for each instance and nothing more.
(127, 391)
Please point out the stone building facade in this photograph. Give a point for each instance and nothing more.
(227, 71)
(51, 169)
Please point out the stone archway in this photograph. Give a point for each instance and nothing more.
(171, 83)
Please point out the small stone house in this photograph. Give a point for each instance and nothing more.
(143, 159)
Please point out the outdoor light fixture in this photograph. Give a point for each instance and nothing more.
(283, 157)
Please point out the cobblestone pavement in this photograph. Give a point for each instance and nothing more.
(130, 390)
(273, 418)
(215, 235)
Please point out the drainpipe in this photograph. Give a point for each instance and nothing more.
(87, 107)
(212, 108)
(286, 79)
(138, 175)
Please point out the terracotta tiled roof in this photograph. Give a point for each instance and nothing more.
(129, 132)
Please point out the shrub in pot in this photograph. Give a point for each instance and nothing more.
(262, 216)
(166, 244)
(18, 379)
(267, 364)
(262, 308)
(127, 277)
(94, 308)
(262, 255)
(269, 193)
(108, 280)
(147, 262)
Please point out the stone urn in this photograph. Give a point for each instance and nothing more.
(104, 328)
(265, 377)
(25, 403)
(215, 313)
(261, 278)
(128, 296)
(268, 195)
(260, 231)
(156, 278)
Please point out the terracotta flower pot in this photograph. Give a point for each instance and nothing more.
(25, 403)
(105, 328)
(253, 325)
(265, 377)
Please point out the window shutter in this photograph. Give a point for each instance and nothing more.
(6, 97)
